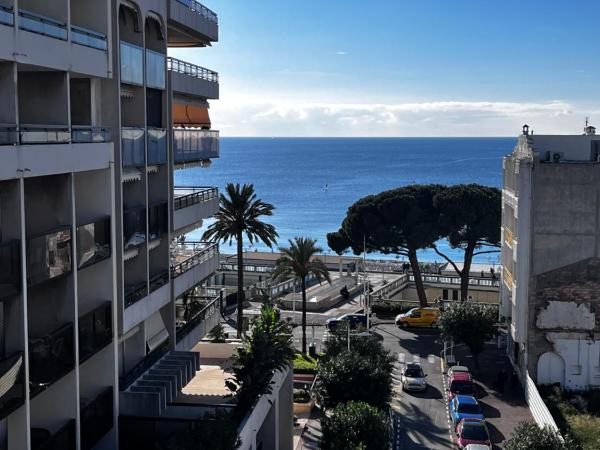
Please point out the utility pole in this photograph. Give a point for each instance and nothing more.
(366, 282)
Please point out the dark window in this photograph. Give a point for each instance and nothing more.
(454, 294)
(134, 227)
(157, 220)
(48, 256)
(154, 108)
(445, 294)
(474, 432)
(469, 408)
(81, 101)
(10, 275)
(93, 242)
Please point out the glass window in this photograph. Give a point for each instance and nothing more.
(134, 227)
(93, 242)
(157, 219)
(48, 256)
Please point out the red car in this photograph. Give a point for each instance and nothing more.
(460, 383)
(473, 431)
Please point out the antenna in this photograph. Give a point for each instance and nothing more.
(586, 121)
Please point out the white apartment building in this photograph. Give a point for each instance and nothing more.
(550, 293)
(95, 119)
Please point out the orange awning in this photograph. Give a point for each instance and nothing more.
(190, 116)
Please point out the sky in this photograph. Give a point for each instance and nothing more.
(325, 68)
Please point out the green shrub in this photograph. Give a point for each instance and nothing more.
(217, 335)
(391, 308)
(529, 436)
(304, 364)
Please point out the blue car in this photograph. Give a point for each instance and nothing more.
(464, 407)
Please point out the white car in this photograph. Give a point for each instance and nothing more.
(477, 447)
(413, 378)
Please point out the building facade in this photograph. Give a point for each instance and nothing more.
(95, 120)
(550, 292)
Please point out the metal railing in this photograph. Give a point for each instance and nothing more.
(50, 358)
(95, 331)
(196, 252)
(192, 195)
(7, 16)
(83, 134)
(260, 268)
(199, 8)
(39, 24)
(192, 70)
(135, 293)
(159, 280)
(209, 311)
(44, 135)
(443, 279)
(88, 38)
(96, 418)
(195, 144)
(12, 384)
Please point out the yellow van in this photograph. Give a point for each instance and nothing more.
(419, 317)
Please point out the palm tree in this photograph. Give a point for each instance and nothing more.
(298, 261)
(239, 214)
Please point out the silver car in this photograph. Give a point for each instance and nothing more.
(413, 378)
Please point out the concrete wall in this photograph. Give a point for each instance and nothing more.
(195, 275)
(193, 214)
(182, 17)
(196, 87)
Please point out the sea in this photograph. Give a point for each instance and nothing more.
(313, 181)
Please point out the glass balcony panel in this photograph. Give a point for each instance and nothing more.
(157, 146)
(133, 147)
(12, 384)
(37, 23)
(48, 256)
(134, 227)
(155, 69)
(44, 135)
(7, 16)
(95, 331)
(195, 144)
(50, 358)
(158, 281)
(63, 439)
(96, 419)
(9, 135)
(88, 38)
(192, 195)
(93, 242)
(10, 275)
(88, 135)
(134, 293)
(158, 220)
(132, 63)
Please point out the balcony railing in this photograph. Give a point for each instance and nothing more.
(89, 38)
(39, 24)
(96, 418)
(155, 69)
(134, 293)
(63, 439)
(9, 135)
(195, 144)
(159, 280)
(157, 146)
(49, 256)
(149, 360)
(12, 384)
(192, 70)
(441, 279)
(133, 148)
(95, 331)
(199, 8)
(132, 63)
(10, 275)
(50, 358)
(189, 255)
(208, 311)
(7, 16)
(88, 135)
(192, 195)
(44, 135)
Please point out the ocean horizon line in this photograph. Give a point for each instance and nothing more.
(366, 137)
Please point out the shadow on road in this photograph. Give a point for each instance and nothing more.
(431, 393)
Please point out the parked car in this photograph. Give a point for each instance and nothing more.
(353, 320)
(455, 369)
(473, 431)
(413, 378)
(464, 407)
(478, 447)
(419, 317)
(460, 383)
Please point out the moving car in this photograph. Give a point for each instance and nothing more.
(473, 431)
(419, 317)
(353, 320)
(460, 383)
(413, 378)
(464, 407)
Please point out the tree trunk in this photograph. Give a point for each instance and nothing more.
(414, 264)
(304, 315)
(240, 285)
(466, 272)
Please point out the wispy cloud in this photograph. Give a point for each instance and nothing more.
(254, 117)
(341, 53)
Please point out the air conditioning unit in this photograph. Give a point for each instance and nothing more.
(554, 156)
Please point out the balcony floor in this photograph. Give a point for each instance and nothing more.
(208, 385)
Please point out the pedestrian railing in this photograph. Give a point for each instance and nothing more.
(444, 279)
(196, 252)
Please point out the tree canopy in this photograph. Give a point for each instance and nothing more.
(530, 436)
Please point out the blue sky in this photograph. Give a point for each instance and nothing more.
(403, 67)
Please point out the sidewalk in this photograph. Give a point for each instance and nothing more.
(307, 434)
(503, 411)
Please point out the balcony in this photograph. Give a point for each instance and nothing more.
(134, 293)
(10, 275)
(191, 204)
(157, 146)
(133, 147)
(191, 263)
(93, 242)
(194, 145)
(49, 256)
(7, 16)
(9, 135)
(159, 280)
(155, 69)
(191, 330)
(96, 418)
(32, 135)
(132, 64)
(192, 80)
(39, 24)
(88, 38)
(491, 283)
(88, 135)
(95, 331)
(191, 24)
(50, 358)
(63, 439)
(12, 384)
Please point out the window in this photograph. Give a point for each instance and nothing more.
(454, 294)
(445, 294)
(93, 242)
(48, 256)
